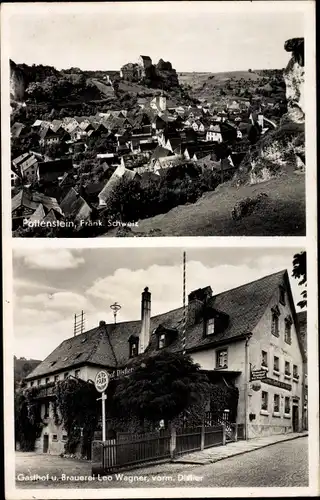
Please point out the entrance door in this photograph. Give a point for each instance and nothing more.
(295, 418)
(45, 443)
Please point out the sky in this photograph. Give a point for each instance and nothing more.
(193, 36)
(52, 285)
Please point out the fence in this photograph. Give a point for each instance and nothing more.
(139, 449)
(128, 450)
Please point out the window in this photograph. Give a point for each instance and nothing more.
(46, 410)
(222, 358)
(275, 323)
(276, 403)
(31, 383)
(77, 373)
(276, 364)
(56, 378)
(287, 405)
(287, 370)
(210, 326)
(287, 330)
(54, 437)
(295, 372)
(264, 359)
(39, 381)
(282, 296)
(162, 341)
(47, 380)
(133, 349)
(66, 375)
(64, 437)
(264, 401)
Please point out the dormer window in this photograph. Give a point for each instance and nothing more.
(133, 346)
(162, 341)
(210, 326)
(133, 349)
(282, 296)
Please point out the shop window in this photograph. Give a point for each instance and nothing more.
(276, 403)
(222, 358)
(264, 401)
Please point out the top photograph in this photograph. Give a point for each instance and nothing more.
(158, 120)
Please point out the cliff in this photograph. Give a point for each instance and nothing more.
(283, 148)
(17, 82)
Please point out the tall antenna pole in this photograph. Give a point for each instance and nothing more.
(184, 305)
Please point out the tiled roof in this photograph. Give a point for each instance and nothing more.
(107, 345)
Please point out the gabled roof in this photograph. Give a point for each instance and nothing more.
(72, 203)
(160, 152)
(16, 129)
(108, 346)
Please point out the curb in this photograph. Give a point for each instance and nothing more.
(218, 459)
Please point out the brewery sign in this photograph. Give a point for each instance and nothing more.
(258, 375)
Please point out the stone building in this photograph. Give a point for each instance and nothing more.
(232, 335)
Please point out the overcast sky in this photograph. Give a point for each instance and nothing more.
(194, 36)
(50, 286)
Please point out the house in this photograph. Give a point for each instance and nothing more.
(159, 103)
(75, 207)
(48, 136)
(166, 162)
(25, 203)
(26, 167)
(247, 337)
(121, 172)
(214, 133)
(14, 178)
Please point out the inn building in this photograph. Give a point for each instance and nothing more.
(249, 332)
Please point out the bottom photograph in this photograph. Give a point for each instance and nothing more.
(160, 367)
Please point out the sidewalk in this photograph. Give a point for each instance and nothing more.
(218, 453)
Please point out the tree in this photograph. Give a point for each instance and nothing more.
(162, 387)
(299, 272)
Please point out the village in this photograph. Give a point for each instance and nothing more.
(77, 168)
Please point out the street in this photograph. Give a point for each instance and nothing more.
(283, 464)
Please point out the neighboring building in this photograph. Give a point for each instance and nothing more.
(120, 173)
(26, 165)
(214, 134)
(25, 203)
(48, 136)
(75, 207)
(230, 334)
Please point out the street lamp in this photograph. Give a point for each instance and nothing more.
(115, 309)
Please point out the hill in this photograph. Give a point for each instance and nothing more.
(211, 215)
(22, 368)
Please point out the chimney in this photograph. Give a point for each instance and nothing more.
(145, 320)
(102, 323)
(196, 304)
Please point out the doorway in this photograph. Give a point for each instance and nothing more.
(45, 443)
(295, 418)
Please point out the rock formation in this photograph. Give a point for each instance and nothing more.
(294, 79)
(284, 147)
(17, 83)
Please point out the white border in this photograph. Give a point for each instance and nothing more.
(307, 9)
